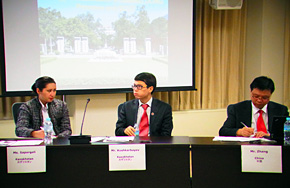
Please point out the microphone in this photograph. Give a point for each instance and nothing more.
(81, 139)
(88, 100)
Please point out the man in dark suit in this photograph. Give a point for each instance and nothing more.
(243, 117)
(130, 113)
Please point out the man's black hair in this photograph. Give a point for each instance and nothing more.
(263, 83)
(148, 78)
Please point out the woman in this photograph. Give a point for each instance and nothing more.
(34, 112)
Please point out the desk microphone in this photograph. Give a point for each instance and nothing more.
(81, 139)
(88, 100)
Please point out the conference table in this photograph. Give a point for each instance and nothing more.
(177, 161)
(87, 165)
(218, 164)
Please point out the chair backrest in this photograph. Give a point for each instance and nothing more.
(15, 110)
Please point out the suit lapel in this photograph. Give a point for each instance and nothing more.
(270, 115)
(247, 115)
(135, 107)
(153, 112)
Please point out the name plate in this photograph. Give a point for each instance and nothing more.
(267, 159)
(30, 159)
(124, 157)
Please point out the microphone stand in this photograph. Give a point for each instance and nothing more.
(81, 139)
(88, 100)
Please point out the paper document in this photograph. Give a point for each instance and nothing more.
(6, 142)
(119, 139)
(239, 139)
(20, 142)
(27, 142)
(97, 138)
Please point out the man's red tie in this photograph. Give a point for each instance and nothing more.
(260, 123)
(144, 124)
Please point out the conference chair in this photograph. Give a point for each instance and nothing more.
(15, 110)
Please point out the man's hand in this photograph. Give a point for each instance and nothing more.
(130, 131)
(261, 134)
(245, 132)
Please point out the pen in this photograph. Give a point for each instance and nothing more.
(244, 124)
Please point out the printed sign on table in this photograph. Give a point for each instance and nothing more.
(123, 157)
(267, 159)
(30, 159)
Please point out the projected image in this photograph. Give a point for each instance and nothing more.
(88, 43)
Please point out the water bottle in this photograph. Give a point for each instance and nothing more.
(48, 131)
(287, 131)
(136, 127)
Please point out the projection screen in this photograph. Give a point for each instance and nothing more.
(97, 46)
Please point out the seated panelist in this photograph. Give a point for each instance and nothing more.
(253, 117)
(33, 113)
(150, 116)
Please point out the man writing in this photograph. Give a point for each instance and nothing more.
(151, 116)
(254, 117)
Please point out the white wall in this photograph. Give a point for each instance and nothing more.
(198, 122)
(101, 115)
(265, 43)
(7, 129)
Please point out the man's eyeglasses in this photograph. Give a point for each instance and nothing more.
(261, 97)
(139, 87)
